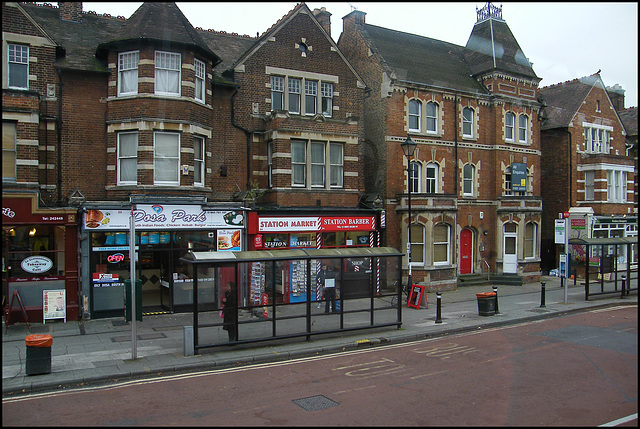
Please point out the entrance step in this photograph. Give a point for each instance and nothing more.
(472, 280)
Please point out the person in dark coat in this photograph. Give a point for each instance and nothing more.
(230, 311)
(329, 273)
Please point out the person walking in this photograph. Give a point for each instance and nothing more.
(230, 311)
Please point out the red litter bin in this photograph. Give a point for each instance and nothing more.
(38, 354)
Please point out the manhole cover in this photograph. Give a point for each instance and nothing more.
(315, 403)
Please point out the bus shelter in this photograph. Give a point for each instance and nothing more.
(280, 294)
(609, 262)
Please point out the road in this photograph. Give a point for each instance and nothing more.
(579, 370)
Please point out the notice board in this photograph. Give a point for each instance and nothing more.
(54, 305)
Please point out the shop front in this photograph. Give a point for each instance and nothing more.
(293, 232)
(164, 233)
(39, 255)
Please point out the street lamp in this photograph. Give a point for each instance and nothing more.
(409, 147)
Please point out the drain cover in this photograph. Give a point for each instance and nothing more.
(315, 403)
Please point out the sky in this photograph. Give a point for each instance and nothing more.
(564, 41)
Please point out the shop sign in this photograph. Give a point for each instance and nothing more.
(319, 223)
(158, 216)
(105, 277)
(36, 264)
(115, 258)
(229, 239)
(518, 177)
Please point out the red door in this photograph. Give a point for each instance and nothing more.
(466, 251)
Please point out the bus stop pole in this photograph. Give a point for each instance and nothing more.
(132, 276)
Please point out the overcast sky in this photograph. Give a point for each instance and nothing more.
(564, 41)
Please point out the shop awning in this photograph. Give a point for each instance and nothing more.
(276, 255)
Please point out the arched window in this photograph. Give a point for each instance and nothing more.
(523, 129)
(441, 244)
(432, 117)
(415, 169)
(509, 123)
(507, 182)
(468, 180)
(530, 237)
(417, 244)
(432, 178)
(467, 122)
(414, 115)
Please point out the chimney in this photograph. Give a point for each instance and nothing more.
(616, 93)
(70, 11)
(355, 17)
(324, 18)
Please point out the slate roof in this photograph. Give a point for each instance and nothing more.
(563, 100)
(422, 60)
(629, 118)
(509, 57)
(229, 47)
(85, 42)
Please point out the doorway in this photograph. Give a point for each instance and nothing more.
(510, 249)
(466, 251)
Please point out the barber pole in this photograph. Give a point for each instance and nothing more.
(318, 269)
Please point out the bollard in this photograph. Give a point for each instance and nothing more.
(439, 308)
(495, 290)
(624, 278)
(542, 295)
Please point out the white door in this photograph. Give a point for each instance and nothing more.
(510, 256)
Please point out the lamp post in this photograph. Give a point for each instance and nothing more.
(409, 147)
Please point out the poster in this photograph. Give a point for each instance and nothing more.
(54, 305)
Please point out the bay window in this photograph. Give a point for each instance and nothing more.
(167, 67)
(198, 161)
(166, 158)
(128, 73)
(200, 81)
(127, 158)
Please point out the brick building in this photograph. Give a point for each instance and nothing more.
(475, 175)
(200, 135)
(588, 165)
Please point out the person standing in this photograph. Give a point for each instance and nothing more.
(230, 311)
(330, 279)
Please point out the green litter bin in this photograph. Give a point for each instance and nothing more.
(38, 354)
(486, 303)
(127, 300)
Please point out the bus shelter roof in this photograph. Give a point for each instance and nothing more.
(279, 255)
(603, 241)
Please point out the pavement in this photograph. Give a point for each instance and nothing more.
(93, 352)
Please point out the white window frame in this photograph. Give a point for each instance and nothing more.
(17, 66)
(200, 79)
(467, 122)
(166, 163)
(589, 185)
(277, 93)
(597, 138)
(198, 160)
(304, 159)
(414, 173)
(294, 86)
(432, 175)
(417, 242)
(431, 124)
(509, 126)
(468, 182)
(128, 72)
(523, 129)
(168, 71)
(9, 151)
(125, 157)
(616, 186)
(507, 181)
(530, 240)
(327, 99)
(414, 115)
(446, 244)
(310, 97)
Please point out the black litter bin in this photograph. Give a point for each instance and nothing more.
(486, 303)
(38, 354)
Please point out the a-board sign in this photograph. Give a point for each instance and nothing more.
(54, 305)
(415, 297)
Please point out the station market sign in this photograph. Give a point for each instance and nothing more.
(315, 223)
